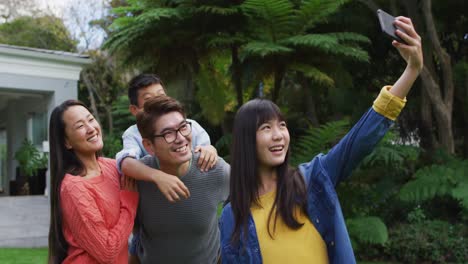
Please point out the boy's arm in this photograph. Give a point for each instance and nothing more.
(127, 164)
(202, 143)
(171, 186)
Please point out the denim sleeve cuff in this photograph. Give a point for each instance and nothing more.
(388, 104)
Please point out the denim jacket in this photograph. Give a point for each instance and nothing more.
(321, 174)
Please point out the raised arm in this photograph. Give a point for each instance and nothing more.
(364, 136)
(411, 53)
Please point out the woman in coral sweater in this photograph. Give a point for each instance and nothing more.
(92, 212)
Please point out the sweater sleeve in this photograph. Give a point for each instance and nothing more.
(88, 227)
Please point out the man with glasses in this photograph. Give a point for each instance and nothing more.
(187, 231)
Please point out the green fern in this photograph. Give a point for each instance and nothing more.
(314, 74)
(319, 139)
(214, 92)
(450, 179)
(277, 17)
(328, 43)
(216, 10)
(317, 11)
(370, 229)
(390, 154)
(263, 49)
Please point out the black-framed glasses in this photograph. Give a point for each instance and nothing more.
(171, 135)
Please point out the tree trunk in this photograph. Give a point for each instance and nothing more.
(110, 120)
(89, 86)
(278, 80)
(237, 74)
(441, 97)
(310, 100)
(465, 118)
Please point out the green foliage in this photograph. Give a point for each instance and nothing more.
(391, 154)
(417, 215)
(215, 93)
(263, 49)
(30, 158)
(46, 32)
(370, 229)
(449, 179)
(112, 145)
(318, 11)
(223, 145)
(318, 139)
(331, 44)
(428, 242)
(121, 115)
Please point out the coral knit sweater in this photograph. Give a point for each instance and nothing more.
(97, 216)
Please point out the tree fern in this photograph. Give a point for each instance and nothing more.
(329, 44)
(314, 74)
(368, 229)
(275, 17)
(438, 180)
(263, 49)
(319, 139)
(317, 11)
(390, 154)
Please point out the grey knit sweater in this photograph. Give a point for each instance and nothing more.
(186, 231)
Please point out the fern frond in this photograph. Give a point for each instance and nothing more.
(327, 43)
(313, 12)
(263, 49)
(350, 37)
(121, 23)
(317, 140)
(275, 17)
(461, 193)
(314, 73)
(221, 40)
(428, 184)
(125, 10)
(390, 154)
(211, 95)
(217, 10)
(369, 229)
(156, 14)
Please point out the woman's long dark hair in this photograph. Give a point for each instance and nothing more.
(62, 161)
(245, 182)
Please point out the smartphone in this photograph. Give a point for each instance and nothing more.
(386, 24)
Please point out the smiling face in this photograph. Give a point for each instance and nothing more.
(171, 155)
(82, 131)
(272, 143)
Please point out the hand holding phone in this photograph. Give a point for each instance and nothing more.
(387, 25)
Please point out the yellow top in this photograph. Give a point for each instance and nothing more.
(304, 245)
(388, 104)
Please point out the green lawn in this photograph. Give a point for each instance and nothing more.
(23, 255)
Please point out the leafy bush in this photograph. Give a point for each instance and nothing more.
(429, 242)
(449, 179)
(112, 145)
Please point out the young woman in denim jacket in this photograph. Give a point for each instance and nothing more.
(278, 215)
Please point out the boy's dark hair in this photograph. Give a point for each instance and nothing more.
(153, 109)
(141, 81)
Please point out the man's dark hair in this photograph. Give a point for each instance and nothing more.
(153, 109)
(139, 82)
